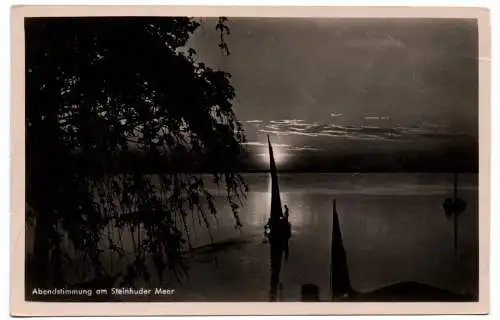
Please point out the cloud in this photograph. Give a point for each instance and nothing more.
(289, 121)
(254, 143)
(283, 147)
(304, 148)
(262, 144)
(363, 132)
(376, 118)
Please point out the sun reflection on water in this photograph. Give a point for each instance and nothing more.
(294, 202)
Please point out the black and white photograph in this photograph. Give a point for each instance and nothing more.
(251, 159)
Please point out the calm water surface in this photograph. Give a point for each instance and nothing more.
(393, 226)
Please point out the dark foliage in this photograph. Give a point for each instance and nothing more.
(98, 88)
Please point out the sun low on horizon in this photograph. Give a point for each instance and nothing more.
(280, 156)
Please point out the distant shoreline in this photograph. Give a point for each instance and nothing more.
(358, 172)
(300, 172)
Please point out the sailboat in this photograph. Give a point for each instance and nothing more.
(408, 291)
(276, 214)
(454, 207)
(276, 209)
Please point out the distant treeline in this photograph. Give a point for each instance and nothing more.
(402, 161)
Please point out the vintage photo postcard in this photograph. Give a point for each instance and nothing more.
(250, 160)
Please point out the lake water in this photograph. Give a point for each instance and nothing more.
(393, 225)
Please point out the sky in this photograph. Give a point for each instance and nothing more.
(327, 89)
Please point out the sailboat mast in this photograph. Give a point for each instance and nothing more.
(332, 252)
(455, 215)
(455, 186)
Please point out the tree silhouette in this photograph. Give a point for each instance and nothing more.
(98, 89)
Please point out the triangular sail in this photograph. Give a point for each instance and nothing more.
(339, 272)
(276, 210)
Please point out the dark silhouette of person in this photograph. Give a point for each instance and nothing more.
(286, 231)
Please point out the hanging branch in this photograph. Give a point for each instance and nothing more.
(123, 83)
(223, 31)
